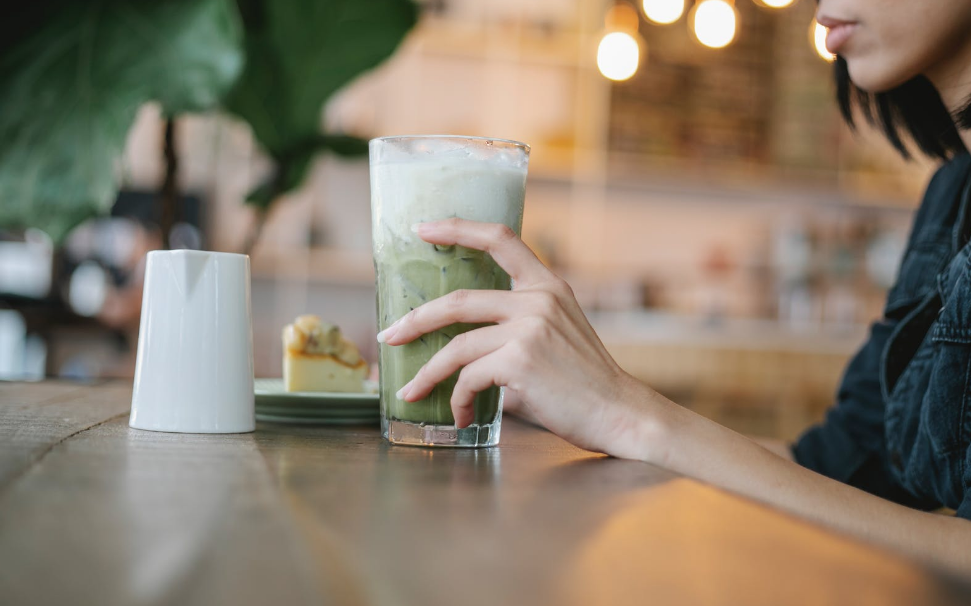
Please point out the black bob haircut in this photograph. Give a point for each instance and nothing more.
(914, 107)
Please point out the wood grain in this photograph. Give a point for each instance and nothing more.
(316, 515)
(36, 416)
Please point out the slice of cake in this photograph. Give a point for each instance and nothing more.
(317, 358)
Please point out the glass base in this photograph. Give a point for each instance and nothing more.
(408, 433)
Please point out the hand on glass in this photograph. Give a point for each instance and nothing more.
(537, 344)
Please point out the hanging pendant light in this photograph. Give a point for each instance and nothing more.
(663, 12)
(618, 56)
(714, 23)
(620, 49)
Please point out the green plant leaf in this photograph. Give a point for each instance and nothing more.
(298, 54)
(344, 145)
(69, 93)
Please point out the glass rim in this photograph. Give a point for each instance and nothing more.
(510, 142)
(193, 251)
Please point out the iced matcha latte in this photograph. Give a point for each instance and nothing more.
(420, 179)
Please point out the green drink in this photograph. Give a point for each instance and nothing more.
(421, 179)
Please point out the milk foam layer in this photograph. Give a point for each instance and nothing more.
(430, 189)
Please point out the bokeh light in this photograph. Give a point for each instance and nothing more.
(663, 12)
(88, 289)
(776, 3)
(618, 56)
(818, 35)
(714, 23)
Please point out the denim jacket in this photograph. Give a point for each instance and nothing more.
(901, 426)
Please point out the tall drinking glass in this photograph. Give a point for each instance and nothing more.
(428, 178)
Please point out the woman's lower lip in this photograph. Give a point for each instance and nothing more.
(837, 36)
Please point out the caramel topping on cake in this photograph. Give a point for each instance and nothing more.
(309, 336)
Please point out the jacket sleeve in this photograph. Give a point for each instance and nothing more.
(849, 445)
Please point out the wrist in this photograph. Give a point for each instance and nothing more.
(646, 423)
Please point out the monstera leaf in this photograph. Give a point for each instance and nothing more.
(298, 54)
(69, 93)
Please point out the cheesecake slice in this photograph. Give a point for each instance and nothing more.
(316, 357)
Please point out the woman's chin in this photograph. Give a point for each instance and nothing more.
(875, 78)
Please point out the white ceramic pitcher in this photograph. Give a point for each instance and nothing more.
(194, 371)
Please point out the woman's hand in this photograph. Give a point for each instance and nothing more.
(538, 345)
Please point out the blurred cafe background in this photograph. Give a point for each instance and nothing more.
(690, 176)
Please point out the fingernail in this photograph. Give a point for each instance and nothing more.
(414, 228)
(404, 390)
(387, 333)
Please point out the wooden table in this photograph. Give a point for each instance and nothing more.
(92, 512)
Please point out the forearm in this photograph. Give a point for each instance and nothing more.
(777, 447)
(689, 444)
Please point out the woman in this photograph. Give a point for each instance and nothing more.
(896, 444)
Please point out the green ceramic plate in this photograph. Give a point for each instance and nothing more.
(275, 404)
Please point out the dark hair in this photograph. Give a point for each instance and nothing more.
(914, 107)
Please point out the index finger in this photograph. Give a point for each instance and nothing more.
(501, 242)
